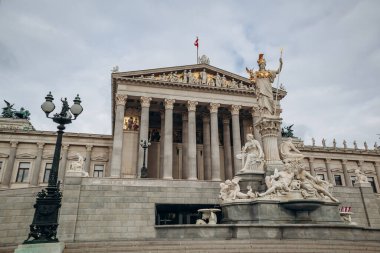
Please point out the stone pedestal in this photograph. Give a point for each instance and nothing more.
(254, 179)
(276, 212)
(269, 127)
(56, 247)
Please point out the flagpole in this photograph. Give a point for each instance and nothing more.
(278, 81)
(197, 55)
(197, 50)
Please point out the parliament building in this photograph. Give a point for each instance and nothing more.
(195, 120)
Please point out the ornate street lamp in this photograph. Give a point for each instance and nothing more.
(144, 170)
(45, 221)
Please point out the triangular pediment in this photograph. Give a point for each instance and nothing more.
(181, 74)
(25, 156)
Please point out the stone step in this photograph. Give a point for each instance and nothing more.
(224, 246)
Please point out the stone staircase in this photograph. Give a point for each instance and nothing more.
(220, 246)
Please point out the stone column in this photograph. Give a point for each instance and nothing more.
(330, 176)
(118, 135)
(144, 132)
(192, 149)
(7, 174)
(255, 119)
(207, 146)
(236, 138)
(37, 164)
(227, 148)
(88, 158)
(311, 165)
(162, 137)
(168, 149)
(347, 177)
(185, 137)
(269, 132)
(377, 169)
(215, 158)
(62, 165)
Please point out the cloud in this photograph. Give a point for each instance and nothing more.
(331, 54)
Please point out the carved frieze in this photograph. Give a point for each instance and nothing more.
(199, 77)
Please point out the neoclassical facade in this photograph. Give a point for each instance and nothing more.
(195, 117)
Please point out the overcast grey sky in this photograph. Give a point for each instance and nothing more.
(331, 55)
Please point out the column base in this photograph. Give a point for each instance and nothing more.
(56, 247)
(216, 179)
(168, 178)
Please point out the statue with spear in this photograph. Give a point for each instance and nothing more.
(263, 79)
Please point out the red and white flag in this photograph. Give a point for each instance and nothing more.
(196, 43)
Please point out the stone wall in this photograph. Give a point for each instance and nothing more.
(16, 214)
(104, 209)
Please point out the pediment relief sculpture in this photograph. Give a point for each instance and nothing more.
(99, 157)
(199, 77)
(26, 156)
(2, 155)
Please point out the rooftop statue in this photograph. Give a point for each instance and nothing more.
(287, 131)
(263, 80)
(9, 112)
(204, 60)
(289, 152)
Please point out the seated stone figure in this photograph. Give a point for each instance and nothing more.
(252, 155)
(313, 187)
(360, 177)
(78, 166)
(279, 182)
(230, 190)
(289, 152)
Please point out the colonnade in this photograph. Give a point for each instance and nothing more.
(210, 139)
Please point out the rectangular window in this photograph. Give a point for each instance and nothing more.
(23, 171)
(98, 170)
(47, 172)
(371, 180)
(338, 180)
(321, 176)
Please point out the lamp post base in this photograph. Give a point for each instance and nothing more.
(54, 247)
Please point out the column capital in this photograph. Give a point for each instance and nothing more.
(255, 111)
(214, 107)
(376, 164)
(145, 101)
(14, 144)
(328, 160)
(121, 99)
(311, 159)
(89, 147)
(235, 109)
(192, 105)
(344, 161)
(40, 145)
(65, 146)
(360, 162)
(169, 103)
